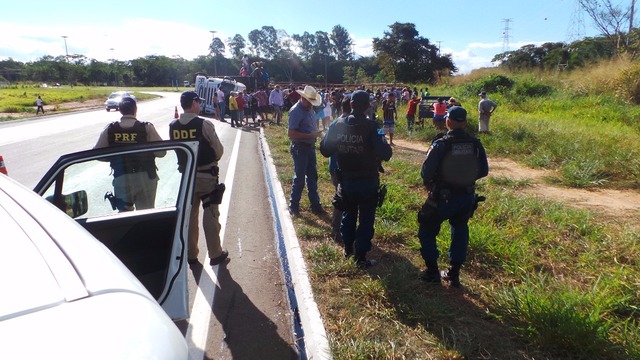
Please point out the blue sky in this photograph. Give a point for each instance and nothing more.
(471, 31)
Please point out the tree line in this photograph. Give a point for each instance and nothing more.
(401, 54)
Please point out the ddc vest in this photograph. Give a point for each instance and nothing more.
(192, 131)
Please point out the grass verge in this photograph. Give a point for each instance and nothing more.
(542, 280)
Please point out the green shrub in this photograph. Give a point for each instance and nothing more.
(530, 88)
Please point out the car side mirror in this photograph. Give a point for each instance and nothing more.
(74, 204)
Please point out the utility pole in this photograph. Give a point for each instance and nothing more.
(65, 47)
(439, 43)
(326, 56)
(115, 68)
(66, 50)
(215, 68)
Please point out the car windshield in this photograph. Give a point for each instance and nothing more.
(114, 95)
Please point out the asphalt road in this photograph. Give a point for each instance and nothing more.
(239, 310)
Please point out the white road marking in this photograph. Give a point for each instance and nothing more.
(201, 312)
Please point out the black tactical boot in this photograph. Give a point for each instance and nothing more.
(452, 275)
(362, 261)
(431, 275)
(348, 251)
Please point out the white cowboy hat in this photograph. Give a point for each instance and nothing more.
(311, 94)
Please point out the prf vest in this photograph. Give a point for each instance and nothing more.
(117, 135)
(192, 131)
(459, 166)
(355, 153)
(129, 164)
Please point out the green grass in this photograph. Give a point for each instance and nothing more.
(542, 280)
(18, 100)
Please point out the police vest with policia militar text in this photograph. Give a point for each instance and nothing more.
(458, 168)
(129, 164)
(355, 153)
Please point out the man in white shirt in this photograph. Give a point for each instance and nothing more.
(222, 104)
(276, 100)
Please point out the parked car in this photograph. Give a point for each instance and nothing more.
(66, 296)
(113, 101)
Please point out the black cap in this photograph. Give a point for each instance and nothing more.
(127, 106)
(360, 97)
(187, 98)
(457, 113)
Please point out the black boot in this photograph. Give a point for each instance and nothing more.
(431, 275)
(452, 275)
(348, 251)
(363, 262)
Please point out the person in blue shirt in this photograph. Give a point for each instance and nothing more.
(454, 162)
(303, 132)
(358, 150)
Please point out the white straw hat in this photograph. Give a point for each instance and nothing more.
(311, 94)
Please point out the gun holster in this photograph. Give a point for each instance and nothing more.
(338, 200)
(217, 193)
(382, 193)
(428, 210)
(476, 200)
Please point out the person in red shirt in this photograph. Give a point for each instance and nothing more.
(241, 105)
(411, 111)
(439, 111)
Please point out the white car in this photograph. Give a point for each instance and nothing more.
(113, 101)
(88, 284)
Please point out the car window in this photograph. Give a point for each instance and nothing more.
(129, 182)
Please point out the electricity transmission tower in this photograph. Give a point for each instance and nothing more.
(505, 35)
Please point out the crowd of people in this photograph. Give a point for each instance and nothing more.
(356, 147)
(355, 141)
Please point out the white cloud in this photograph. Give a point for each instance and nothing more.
(363, 47)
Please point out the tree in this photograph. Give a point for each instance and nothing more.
(405, 56)
(323, 43)
(216, 48)
(12, 70)
(265, 42)
(237, 45)
(341, 43)
(532, 56)
(307, 44)
(610, 18)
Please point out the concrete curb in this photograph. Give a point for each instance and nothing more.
(316, 343)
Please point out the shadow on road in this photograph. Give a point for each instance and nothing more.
(248, 333)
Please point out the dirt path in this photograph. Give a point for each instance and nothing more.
(622, 207)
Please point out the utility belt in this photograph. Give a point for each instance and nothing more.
(151, 171)
(303, 144)
(214, 171)
(350, 175)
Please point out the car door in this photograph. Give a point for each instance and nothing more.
(141, 213)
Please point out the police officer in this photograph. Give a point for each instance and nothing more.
(358, 150)
(134, 176)
(190, 127)
(454, 162)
